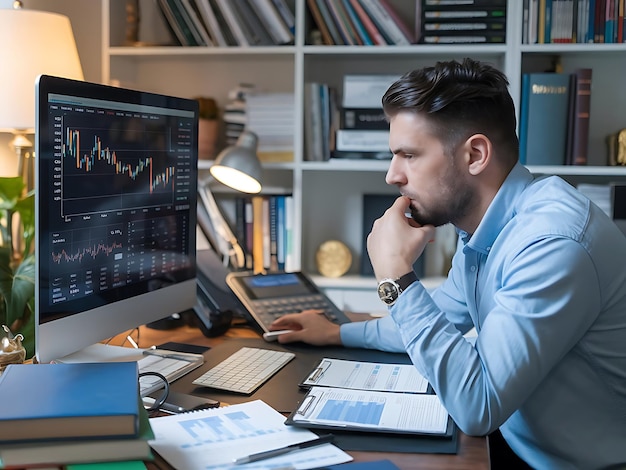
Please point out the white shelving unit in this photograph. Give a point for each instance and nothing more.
(328, 195)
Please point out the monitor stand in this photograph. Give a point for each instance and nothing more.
(103, 353)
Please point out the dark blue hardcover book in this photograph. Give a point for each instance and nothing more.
(547, 118)
(69, 400)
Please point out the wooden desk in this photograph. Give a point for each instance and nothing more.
(472, 455)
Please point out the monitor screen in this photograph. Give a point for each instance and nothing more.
(116, 194)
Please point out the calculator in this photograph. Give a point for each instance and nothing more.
(272, 295)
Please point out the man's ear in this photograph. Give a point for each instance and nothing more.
(479, 153)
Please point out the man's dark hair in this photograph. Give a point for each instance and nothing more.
(459, 99)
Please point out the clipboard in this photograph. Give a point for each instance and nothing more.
(366, 375)
(314, 407)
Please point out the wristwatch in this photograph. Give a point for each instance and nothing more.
(390, 289)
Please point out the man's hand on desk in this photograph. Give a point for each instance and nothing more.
(309, 326)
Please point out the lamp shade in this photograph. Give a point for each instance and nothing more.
(238, 166)
(32, 43)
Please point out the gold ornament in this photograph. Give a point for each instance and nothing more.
(333, 258)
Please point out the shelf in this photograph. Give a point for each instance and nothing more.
(582, 170)
(173, 51)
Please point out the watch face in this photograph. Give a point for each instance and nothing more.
(388, 292)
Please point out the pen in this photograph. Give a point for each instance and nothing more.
(284, 450)
(179, 356)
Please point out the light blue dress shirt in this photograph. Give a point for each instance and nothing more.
(543, 280)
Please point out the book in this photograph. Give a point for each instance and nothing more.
(286, 14)
(230, 17)
(332, 26)
(191, 15)
(372, 140)
(119, 465)
(327, 39)
(368, 24)
(80, 400)
(452, 37)
(365, 90)
(342, 22)
(251, 26)
(545, 97)
(357, 24)
(228, 34)
(580, 112)
(210, 22)
(363, 118)
(389, 23)
(271, 19)
(176, 25)
(73, 451)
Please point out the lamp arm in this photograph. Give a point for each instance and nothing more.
(227, 239)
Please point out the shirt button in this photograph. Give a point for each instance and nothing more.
(473, 268)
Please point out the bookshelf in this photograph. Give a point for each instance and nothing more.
(328, 195)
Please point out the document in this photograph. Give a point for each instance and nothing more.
(367, 376)
(346, 409)
(213, 439)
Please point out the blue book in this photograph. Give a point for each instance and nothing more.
(546, 118)
(61, 401)
(523, 119)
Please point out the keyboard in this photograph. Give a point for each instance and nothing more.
(245, 370)
(172, 365)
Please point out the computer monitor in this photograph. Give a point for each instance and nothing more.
(116, 194)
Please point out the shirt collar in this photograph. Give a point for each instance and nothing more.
(500, 211)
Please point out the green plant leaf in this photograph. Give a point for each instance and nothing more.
(26, 209)
(11, 190)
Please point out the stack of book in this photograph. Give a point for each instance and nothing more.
(320, 120)
(363, 131)
(60, 414)
(234, 115)
(554, 118)
(271, 117)
(468, 21)
(358, 23)
(224, 23)
(264, 226)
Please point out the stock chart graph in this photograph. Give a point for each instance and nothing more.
(97, 177)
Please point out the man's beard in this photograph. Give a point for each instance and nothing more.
(456, 200)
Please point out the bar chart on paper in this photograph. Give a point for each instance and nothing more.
(213, 439)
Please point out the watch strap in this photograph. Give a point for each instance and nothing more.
(406, 280)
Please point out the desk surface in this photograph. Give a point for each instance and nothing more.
(472, 454)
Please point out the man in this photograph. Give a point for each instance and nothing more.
(539, 272)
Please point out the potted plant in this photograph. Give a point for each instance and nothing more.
(208, 128)
(17, 261)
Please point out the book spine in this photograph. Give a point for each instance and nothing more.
(227, 9)
(290, 262)
(363, 118)
(175, 23)
(330, 23)
(280, 232)
(362, 140)
(349, 29)
(286, 14)
(257, 235)
(338, 20)
(223, 24)
(273, 22)
(319, 21)
(523, 119)
(385, 22)
(547, 118)
(358, 24)
(250, 24)
(369, 25)
(211, 23)
(273, 232)
(582, 109)
(196, 25)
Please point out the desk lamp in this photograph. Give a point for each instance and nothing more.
(239, 168)
(31, 43)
